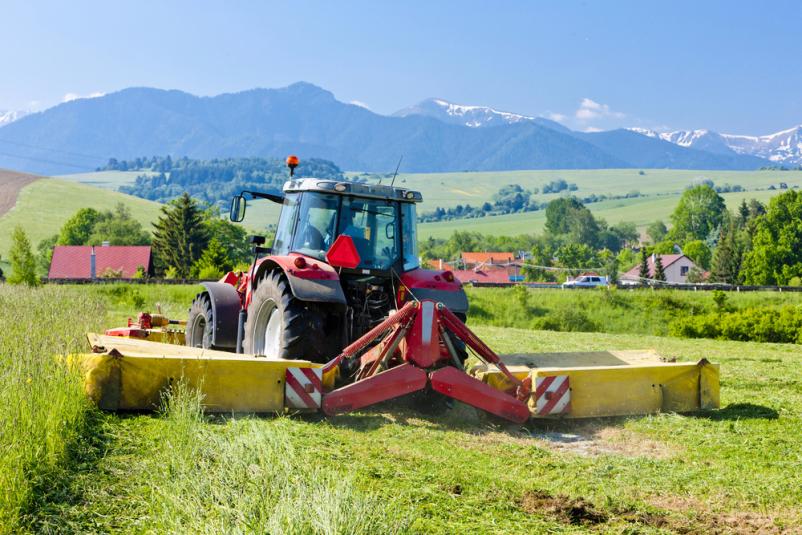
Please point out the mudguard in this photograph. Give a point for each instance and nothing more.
(429, 284)
(226, 305)
(317, 281)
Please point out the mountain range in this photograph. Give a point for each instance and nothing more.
(434, 135)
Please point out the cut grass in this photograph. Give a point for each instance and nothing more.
(391, 468)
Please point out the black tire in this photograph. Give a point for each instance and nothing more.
(199, 322)
(300, 328)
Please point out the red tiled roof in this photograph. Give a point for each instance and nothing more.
(487, 258)
(482, 275)
(435, 264)
(667, 260)
(73, 261)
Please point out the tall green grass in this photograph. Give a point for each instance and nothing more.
(43, 409)
(190, 474)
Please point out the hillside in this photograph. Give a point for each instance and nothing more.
(45, 204)
(83, 134)
(11, 183)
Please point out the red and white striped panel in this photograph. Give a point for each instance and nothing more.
(552, 395)
(303, 388)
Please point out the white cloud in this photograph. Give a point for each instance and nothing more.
(69, 97)
(592, 129)
(360, 104)
(590, 109)
(559, 117)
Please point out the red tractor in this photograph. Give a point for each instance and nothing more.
(344, 258)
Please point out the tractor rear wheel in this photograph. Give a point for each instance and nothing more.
(200, 323)
(280, 325)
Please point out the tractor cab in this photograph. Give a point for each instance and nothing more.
(379, 220)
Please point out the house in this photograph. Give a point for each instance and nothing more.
(487, 274)
(472, 260)
(92, 261)
(676, 267)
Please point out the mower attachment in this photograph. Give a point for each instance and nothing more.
(414, 349)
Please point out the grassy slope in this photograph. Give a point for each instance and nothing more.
(43, 206)
(738, 468)
(105, 179)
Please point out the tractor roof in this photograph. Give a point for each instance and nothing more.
(353, 188)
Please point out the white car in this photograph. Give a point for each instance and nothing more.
(587, 281)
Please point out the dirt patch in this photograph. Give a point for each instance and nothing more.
(578, 511)
(738, 523)
(569, 510)
(11, 183)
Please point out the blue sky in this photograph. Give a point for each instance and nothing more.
(730, 66)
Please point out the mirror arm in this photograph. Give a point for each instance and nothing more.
(278, 199)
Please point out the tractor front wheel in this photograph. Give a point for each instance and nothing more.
(199, 322)
(279, 325)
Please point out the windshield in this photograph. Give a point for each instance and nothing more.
(316, 224)
(373, 225)
(409, 236)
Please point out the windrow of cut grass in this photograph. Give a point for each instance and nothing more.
(44, 413)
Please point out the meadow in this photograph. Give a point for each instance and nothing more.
(71, 468)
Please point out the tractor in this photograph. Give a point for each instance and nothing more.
(344, 258)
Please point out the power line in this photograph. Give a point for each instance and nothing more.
(52, 162)
(50, 149)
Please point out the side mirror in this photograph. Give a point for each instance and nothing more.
(389, 231)
(237, 211)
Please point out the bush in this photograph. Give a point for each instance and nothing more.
(568, 320)
(210, 273)
(759, 324)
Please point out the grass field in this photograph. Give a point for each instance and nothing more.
(43, 206)
(105, 179)
(660, 188)
(392, 469)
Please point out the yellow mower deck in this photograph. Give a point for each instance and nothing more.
(609, 383)
(130, 374)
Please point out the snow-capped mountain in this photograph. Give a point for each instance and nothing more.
(783, 147)
(465, 115)
(7, 117)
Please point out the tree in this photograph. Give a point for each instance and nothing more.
(699, 252)
(656, 231)
(44, 253)
(726, 258)
(659, 272)
(700, 212)
(643, 272)
(776, 255)
(118, 228)
(179, 236)
(23, 263)
(569, 218)
(214, 260)
(77, 229)
(576, 256)
(233, 238)
(610, 261)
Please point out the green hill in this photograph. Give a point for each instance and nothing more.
(659, 188)
(44, 205)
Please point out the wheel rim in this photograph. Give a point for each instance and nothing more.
(198, 331)
(267, 331)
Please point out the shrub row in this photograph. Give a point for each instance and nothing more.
(758, 324)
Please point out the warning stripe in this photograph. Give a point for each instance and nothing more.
(313, 378)
(298, 389)
(543, 386)
(556, 397)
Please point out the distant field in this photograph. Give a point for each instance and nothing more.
(44, 205)
(661, 189)
(105, 179)
(640, 211)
